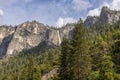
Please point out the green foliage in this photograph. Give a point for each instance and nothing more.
(65, 61)
(81, 57)
(29, 67)
(106, 68)
(94, 75)
(75, 59)
(92, 54)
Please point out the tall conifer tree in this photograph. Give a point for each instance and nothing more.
(65, 55)
(81, 58)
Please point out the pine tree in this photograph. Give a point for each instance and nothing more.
(80, 56)
(116, 55)
(33, 70)
(106, 68)
(65, 54)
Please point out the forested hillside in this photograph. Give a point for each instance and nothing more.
(92, 54)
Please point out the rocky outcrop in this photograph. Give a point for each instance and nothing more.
(107, 16)
(53, 37)
(30, 34)
(26, 36)
(6, 34)
(66, 31)
(91, 20)
(51, 74)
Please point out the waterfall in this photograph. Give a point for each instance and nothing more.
(59, 39)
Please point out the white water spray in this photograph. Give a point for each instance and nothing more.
(59, 39)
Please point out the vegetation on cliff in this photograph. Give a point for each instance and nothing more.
(92, 54)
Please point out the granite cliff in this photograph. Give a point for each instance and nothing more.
(106, 16)
(30, 34)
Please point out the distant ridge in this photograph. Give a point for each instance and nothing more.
(106, 16)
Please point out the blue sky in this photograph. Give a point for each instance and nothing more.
(51, 12)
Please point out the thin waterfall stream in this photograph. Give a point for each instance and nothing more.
(59, 39)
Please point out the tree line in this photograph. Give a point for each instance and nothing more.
(96, 59)
(93, 53)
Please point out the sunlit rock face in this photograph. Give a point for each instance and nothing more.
(30, 34)
(67, 31)
(53, 37)
(91, 20)
(6, 34)
(106, 16)
(26, 36)
(109, 16)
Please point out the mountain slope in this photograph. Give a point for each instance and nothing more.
(106, 16)
(30, 34)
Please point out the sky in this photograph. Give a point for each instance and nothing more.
(51, 12)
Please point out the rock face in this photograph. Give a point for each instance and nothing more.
(26, 36)
(51, 74)
(6, 34)
(106, 16)
(91, 20)
(109, 16)
(30, 34)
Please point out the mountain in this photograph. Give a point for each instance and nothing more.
(30, 34)
(91, 20)
(106, 16)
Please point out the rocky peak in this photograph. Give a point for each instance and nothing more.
(26, 36)
(106, 16)
(106, 9)
(30, 34)
(6, 34)
(90, 20)
(109, 16)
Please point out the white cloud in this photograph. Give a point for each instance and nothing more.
(1, 12)
(79, 5)
(63, 21)
(115, 5)
(96, 11)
